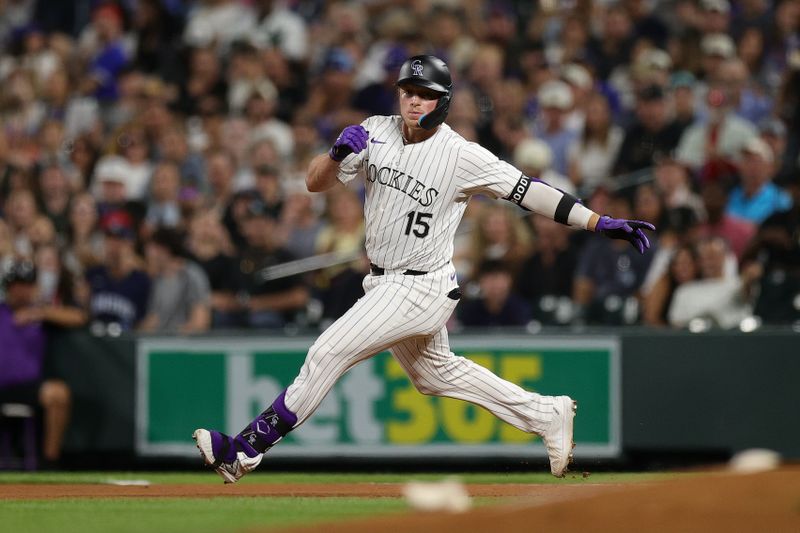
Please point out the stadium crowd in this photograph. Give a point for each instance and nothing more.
(153, 154)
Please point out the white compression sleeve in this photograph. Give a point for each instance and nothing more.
(537, 196)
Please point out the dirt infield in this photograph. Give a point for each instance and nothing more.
(366, 490)
(709, 504)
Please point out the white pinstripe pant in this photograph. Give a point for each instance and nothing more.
(407, 315)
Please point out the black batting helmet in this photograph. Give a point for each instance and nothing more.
(432, 73)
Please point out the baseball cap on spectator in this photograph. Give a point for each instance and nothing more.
(111, 168)
(555, 94)
(683, 79)
(718, 44)
(772, 126)
(758, 146)
(717, 6)
(654, 59)
(577, 75)
(650, 93)
(533, 154)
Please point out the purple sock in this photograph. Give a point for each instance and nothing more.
(270, 426)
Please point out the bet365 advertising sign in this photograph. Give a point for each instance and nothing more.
(374, 410)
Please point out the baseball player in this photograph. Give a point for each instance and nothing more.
(419, 175)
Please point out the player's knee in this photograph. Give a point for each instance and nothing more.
(55, 393)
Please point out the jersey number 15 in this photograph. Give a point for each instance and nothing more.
(420, 220)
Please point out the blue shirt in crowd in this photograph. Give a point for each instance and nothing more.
(768, 200)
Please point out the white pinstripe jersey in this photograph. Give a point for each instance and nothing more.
(416, 193)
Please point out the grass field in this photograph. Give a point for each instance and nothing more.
(227, 513)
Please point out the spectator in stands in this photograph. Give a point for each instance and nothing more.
(118, 289)
(756, 198)
(716, 297)
(771, 264)
(496, 305)
(20, 212)
(174, 147)
(282, 28)
(300, 223)
(608, 275)
(710, 145)
(550, 269)
(58, 292)
(54, 198)
(83, 155)
(163, 208)
(649, 206)
(591, 158)
(108, 57)
(736, 231)
(218, 23)
(682, 269)
(652, 132)
(773, 132)
(612, 46)
(180, 299)
(747, 98)
(23, 379)
(500, 235)
(204, 89)
(111, 185)
(674, 185)
(684, 102)
(210, 247)
(84, 244)
(268, 188)
(339, 286)
(133, 146)
(266, 303)
(534, 158)
(555, 104)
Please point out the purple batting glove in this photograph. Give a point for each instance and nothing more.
(630, 230)
(352, 140)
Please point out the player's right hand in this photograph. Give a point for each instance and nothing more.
(352, 140)
(629, 230)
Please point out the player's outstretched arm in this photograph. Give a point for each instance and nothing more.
(323, 169)
(535, 195)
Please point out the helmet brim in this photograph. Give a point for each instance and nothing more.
(432, 85)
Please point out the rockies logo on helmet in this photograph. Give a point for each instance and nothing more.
(432, 73)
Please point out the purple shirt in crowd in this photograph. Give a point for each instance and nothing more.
(22, 349)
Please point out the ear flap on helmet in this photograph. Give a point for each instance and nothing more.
(430, 120)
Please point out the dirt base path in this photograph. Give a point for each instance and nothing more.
(366, 490)
(707, 503)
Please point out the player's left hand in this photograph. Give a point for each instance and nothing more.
(352, 140)
(630, 230)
